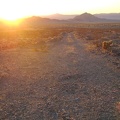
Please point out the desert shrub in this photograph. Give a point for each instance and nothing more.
(106, 44)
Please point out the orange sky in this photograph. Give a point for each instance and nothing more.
(13, 9)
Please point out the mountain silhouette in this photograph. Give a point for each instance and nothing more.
(109, 16)
(87, 17)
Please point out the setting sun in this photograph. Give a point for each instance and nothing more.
(12, 17)
(13, 10)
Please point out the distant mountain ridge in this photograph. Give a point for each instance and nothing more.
(87, 17)
(83, 18)
(113, 16)
(35, 21)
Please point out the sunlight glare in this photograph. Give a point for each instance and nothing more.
(15, 9)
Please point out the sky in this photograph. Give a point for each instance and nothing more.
(13, 9)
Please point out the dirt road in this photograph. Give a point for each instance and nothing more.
(62, 82)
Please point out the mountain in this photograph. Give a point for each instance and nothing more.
(115, 16)
(36, 20)
(87, 17)
(39, 19)
(112, 16)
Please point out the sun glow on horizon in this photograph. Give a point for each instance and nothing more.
(12, 23)
(14, 9)
(10, 18)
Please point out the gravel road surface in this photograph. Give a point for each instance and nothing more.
(62, 82)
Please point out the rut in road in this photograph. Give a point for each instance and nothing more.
(67, 82)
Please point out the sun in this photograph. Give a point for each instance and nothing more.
(10, 17)
(12, 9)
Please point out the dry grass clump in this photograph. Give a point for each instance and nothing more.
(107, 44)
